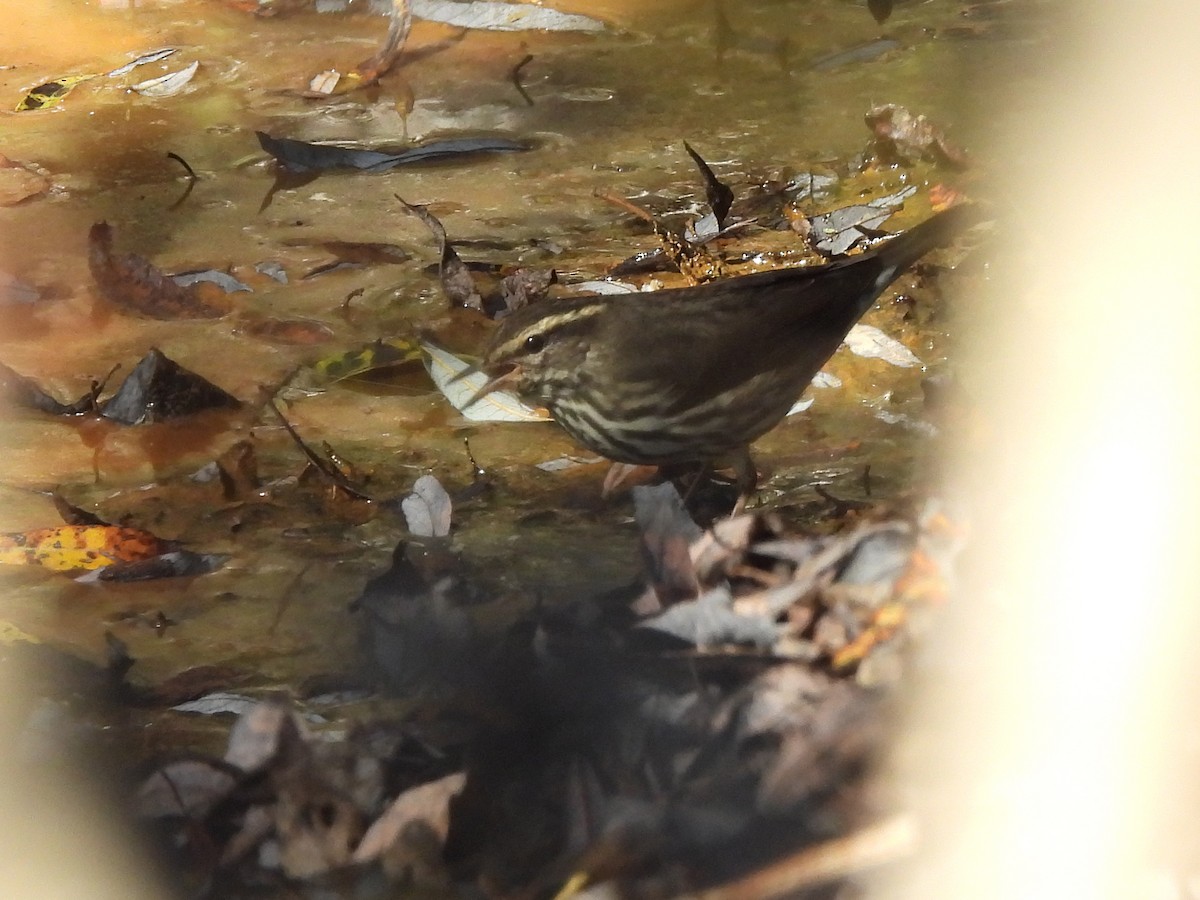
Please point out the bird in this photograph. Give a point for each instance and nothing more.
(694, 375)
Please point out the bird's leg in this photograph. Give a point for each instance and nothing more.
(746, 479)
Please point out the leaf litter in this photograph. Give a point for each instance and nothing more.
(780, 670)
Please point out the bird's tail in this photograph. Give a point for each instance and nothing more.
(907, 247)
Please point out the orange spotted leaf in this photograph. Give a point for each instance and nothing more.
(69, 547)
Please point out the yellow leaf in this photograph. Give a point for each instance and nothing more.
(374, 356)
(51, 93)
(10, 634)
(68, 547)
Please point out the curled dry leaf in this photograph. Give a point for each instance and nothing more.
(901, 137)
(456, 280)
(426, 804)
(427, 509)
(167, 85)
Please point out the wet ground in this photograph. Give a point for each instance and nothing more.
(751, 86)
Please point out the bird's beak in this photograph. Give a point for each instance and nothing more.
(499, 382)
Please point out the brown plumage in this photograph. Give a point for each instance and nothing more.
(695, 374)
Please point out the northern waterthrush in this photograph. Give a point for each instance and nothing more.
(693, 375)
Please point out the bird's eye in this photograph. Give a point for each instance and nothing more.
(535, 343)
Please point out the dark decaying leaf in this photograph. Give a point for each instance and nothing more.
(525, 286)
(667, 534)
(185, 789)
(301, 156)
(720, 196)
(176, 564)
(859, 53)
(903, 138)
(195, 682)
(355, 255)
(880, 9)
(456, 278)
(320, 462)
(73, 515)
(134, 284)
(20, 390)
(415, 625)
(291, 332)
(225, 281)
(159, 389)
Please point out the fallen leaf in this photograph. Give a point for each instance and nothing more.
(134, 284)
(426, 803)
(50, 94)
(68, 547)
(151, 57)
(159, 389)
(427, 509)
(869, 342)
(302, 156)
(167, 85)
(456, 279)
(491, 16)
(498, 406)
(379, 355)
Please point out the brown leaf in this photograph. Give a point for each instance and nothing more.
(457, 282)
(901, 137)
(135, 285)
(399, 836)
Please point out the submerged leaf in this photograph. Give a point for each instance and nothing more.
(379, 355)
(869, 342)
(456, 279)
(493, 16)
(159, 389)
(167, 85)
(134, 284)
(152, 56)
(302, 156)
(68, 547)
(175, 564)
(447, 370)
(44, 96)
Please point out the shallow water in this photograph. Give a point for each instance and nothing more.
(608, 113)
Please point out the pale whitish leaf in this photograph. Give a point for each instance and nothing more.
(893, 418)
(820, 380)
(498, 406)
(871, 343)
(153, 56)
(604, 287)
(493, 16)
(562, 463)
(217, 703)
(167, 85)
(427, 508)
(326, 82)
